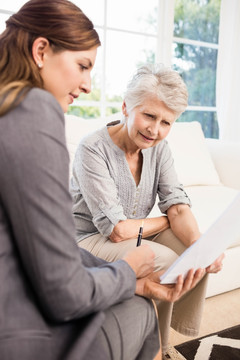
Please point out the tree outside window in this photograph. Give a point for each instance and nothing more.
(196, 27)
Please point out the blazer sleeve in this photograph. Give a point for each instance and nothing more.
(34, 191)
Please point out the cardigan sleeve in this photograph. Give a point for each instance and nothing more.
(93, 188)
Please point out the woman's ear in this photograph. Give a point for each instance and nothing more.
(39, 49)
(124, 109)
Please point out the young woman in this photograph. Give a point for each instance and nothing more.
(59, 301)
(118, 173)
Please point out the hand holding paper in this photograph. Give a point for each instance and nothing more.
(209, 246)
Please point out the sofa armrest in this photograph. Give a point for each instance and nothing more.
(226, 158)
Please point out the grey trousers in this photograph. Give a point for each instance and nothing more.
(130, 331)
(185, 314)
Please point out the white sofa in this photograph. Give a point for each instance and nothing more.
(210, 172)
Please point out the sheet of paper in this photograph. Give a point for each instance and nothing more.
(209, 246)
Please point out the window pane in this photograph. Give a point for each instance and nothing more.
(114, 110)
(94, 9)
(207, 119)
(198, 68)
(97, 69)
(86, 112)
(125, 52)
(12, 5)
(197, 20)
(133, 15)
(3, 18)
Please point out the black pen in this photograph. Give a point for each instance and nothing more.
(140, 234)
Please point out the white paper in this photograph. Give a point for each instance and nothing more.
(209, 246)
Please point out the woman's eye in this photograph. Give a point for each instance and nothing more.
(83, 67)
(149, 115)
(165, 122)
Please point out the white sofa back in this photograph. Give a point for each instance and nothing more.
(186, 141)
(76, 129)
(193, 162)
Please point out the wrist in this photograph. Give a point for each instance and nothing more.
(166, 223)
(131, 263)
(140, 287)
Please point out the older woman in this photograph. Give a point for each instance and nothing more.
(118, 172)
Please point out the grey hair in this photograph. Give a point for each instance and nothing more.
(156, 80)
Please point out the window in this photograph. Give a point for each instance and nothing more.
(128, 33)
(134, 32)
(195, 49)
(130, 36)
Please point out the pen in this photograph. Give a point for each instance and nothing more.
(140, 234)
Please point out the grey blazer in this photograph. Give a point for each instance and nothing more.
(52, 294)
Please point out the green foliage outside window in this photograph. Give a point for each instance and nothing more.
(198, 20)
(194, 20)
(89, 112)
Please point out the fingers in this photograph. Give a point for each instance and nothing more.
(191, 280)
(177, 290)
(150, 286)
(217, 265)
(214, 268)
(141, 260)
(198, 275)
(188, 280)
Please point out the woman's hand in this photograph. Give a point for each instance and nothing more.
(141, 260)
(150, 286)
(217, 265)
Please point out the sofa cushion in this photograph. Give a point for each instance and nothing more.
(76, 128)
(193, 162)
(209, 202)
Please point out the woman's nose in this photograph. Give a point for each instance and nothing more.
(86, 84)
(154, 128)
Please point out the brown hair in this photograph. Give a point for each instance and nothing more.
(60, 21)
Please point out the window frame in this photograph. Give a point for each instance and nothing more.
(164, 40)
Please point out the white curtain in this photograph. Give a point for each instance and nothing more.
(228, 71)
